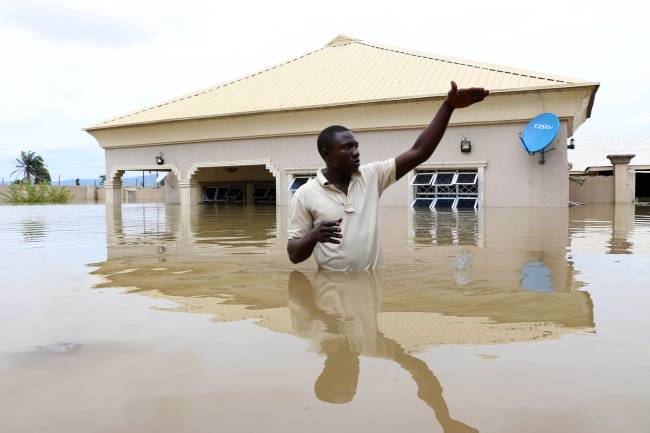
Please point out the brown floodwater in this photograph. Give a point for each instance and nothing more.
(144, 318)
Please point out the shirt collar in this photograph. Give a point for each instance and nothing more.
(320, 177)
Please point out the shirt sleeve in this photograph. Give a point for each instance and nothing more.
(300, 219)
(385, 172)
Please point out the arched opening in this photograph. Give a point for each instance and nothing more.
(151, 183)
(243, 184)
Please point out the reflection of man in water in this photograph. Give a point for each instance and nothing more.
(335, 215)
(339, 315)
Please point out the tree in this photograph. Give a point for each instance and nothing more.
(102, 179)
(32, 166)
(42, 175)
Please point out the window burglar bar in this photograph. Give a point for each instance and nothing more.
(456, 189)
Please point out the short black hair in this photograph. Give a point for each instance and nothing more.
(326, 137)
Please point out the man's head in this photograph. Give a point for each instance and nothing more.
(339, 149)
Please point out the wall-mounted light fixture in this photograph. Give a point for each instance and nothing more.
(465, 145)
(160, 160)
(572, 144)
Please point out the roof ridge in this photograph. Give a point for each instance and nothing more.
(468, 63)
(210, 89)
(342, 40)
(513, 79)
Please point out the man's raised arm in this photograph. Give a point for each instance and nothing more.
(432, 134)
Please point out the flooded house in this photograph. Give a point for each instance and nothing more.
(253, 140)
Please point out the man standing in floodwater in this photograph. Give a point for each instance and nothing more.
(335, 216)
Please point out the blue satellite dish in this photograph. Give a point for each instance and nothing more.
(540, 133)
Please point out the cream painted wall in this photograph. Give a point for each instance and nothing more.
(595, 189)
(248, 172)
(512, 177)
(146, 195)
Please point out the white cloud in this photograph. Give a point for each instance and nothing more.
(593, 151)
(72, 63)
(68, 23)
(641, 118)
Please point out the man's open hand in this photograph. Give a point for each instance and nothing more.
(327, 231)
(461, 98)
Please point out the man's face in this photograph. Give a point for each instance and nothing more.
(344, 154)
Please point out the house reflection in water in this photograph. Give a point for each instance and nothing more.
(608, 226)
(492, 278)
(499, 264)
(536, 277)
(474, 285)
(446, 227)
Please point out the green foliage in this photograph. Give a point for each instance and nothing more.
(24, 193)
(42, 175)
(32, 167)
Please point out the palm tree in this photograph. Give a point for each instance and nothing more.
(42, 175)
(32, 165)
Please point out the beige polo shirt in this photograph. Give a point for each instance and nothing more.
(318, 200)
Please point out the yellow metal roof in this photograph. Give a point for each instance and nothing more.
(345, 71)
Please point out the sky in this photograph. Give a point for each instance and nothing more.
(70, 64)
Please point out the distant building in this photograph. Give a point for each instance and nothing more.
(621, 182)
(254, 139)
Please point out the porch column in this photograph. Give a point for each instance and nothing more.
(190, 194)
(250, 190)
(621, 184)
(113, 193)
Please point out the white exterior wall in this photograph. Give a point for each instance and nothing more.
(594, 189)
(512, 178)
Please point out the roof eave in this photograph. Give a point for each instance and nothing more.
(545, 88)
(596, 86)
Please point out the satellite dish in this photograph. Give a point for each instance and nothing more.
(540, 133)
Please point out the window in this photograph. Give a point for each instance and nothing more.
(466, 178)
(422, 179)
(264, 194)
(261, 191)
(235, 194)
(223, 194)
(298, 181)
(444, 179)
(449, 189)
(444, 203)
(466, 203)
(209, 193)
(422, 202)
